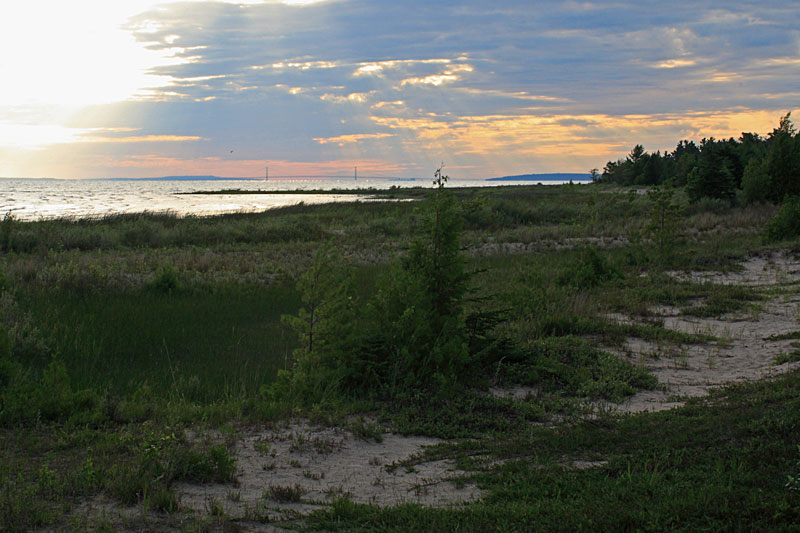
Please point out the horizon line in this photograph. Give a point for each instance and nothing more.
(292, 176)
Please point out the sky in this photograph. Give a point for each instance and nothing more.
(95, 88)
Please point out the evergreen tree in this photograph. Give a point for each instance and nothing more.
(652, 173)
(712, 177)
(783, 161)
(326, 327)
(665, 214)
(413, 335)
(755, 182)
(418, 320)
(717, 169)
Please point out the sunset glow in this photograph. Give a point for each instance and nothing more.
(140, 88)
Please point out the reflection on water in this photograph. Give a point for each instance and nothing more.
(31, 199)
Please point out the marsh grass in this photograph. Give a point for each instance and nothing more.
(156, 230)
(467, 416)
(196, 345)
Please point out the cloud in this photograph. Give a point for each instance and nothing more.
(597, 54)
(505, 87)
(675, 63)
(341, 140)
(140, 139)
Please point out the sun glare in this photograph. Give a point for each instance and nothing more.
(31, 136)
(301, 2)
(71, 53)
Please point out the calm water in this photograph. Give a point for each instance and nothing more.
(31, 199)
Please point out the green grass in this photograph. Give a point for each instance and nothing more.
(783, 337)
(191, 306)
(200, 345)
(722, 299)
(126, 330)
(47, 471)
(790, 357)
(717, 465)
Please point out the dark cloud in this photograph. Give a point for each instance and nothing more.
(561, 48)
(271, 78)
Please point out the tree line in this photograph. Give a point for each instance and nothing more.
(757, 168)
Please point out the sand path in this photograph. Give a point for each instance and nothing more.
(746, 349)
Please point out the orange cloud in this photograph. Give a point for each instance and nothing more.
(341, 140)
(675, 63)
(602, 136)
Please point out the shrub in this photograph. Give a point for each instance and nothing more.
(285, 494)
(786, 223)
(418, 320)
(665, 213)
(55, 397)
(7, 225)
(793, 479)
(23, 395)
(52, 397)
(161, 459)
(755, 182)
(140, 406)
(25, 339)
(591, 270)
(167, 280)
(203, 466)
(324, 325)
(570, 364)
(717, 206)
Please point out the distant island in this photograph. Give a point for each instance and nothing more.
(555, 176)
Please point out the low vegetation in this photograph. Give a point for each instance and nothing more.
(724, 463)
(134, 348)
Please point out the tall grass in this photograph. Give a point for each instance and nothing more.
(89, 283)
(201, 345)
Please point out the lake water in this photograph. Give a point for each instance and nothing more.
(31, 199)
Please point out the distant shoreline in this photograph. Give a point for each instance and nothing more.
(557, 176)
(403, 192)
(553, 176)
